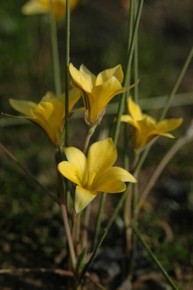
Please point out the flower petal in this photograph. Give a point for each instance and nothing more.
(116, 71)
(106, 91)
(24, 107)
(168, 125)
(69, 171)
(105, 183)
(82, 198)
(129, 119)
(33, 7)
(134, 110)
(78, 160)
(112, 180)
(80, 78)
(121, 174)
(101, 155)
(88, 75)
(74, 96)
(43, 6)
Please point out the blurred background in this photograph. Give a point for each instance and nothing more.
(31, 233)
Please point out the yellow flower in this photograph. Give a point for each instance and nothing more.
(97, 90)
(45, 6)
(94, 173)
(147, 128)
(49, 113)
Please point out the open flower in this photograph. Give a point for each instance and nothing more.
(49, 113)
(97, 90)
(94, 173)
(45, 6)
(147, 128)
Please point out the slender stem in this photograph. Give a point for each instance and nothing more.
(85, 227)
(55, 54)
(133, 241)
(27, 172)
(68, 235)
(155, 259)
(105, 231)
(87, 212)
(99, 218)
(177, 83)
(91, 131)
(76, 233)
(127, 75)
(67, 77)
(61, 196)
(169, 155)
(130, 203)
(136, 68)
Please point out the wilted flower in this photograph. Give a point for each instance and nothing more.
(147, 128)
(45, 6)
(94, 173)
(97, 90)
(49, 113)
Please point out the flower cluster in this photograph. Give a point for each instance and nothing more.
(95, 172)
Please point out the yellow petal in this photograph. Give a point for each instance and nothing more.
(74, 96)
(102, 155)
(129, 119)
(49, 115)
(101, 95)
(121, 174)
(34, 7)
(112, 180)
(82, 198)
(91, 78)
(134, 110)
(24, 107)
(43, 6)
(107, 90)
(168, 135)
(112, 186)
(168, 125)
(82, 80)
(105, 75)
(145, 131)
(78, 160)
(69, 171)
(106, 184)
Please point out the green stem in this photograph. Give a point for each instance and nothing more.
(155, 259)
(91, 131)
(127, 75)
(86, 218)
(67, 77)
(99, 218)
(136, 69)
(105, 232)
(55, 54)
(68, 235)
(61, 196)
